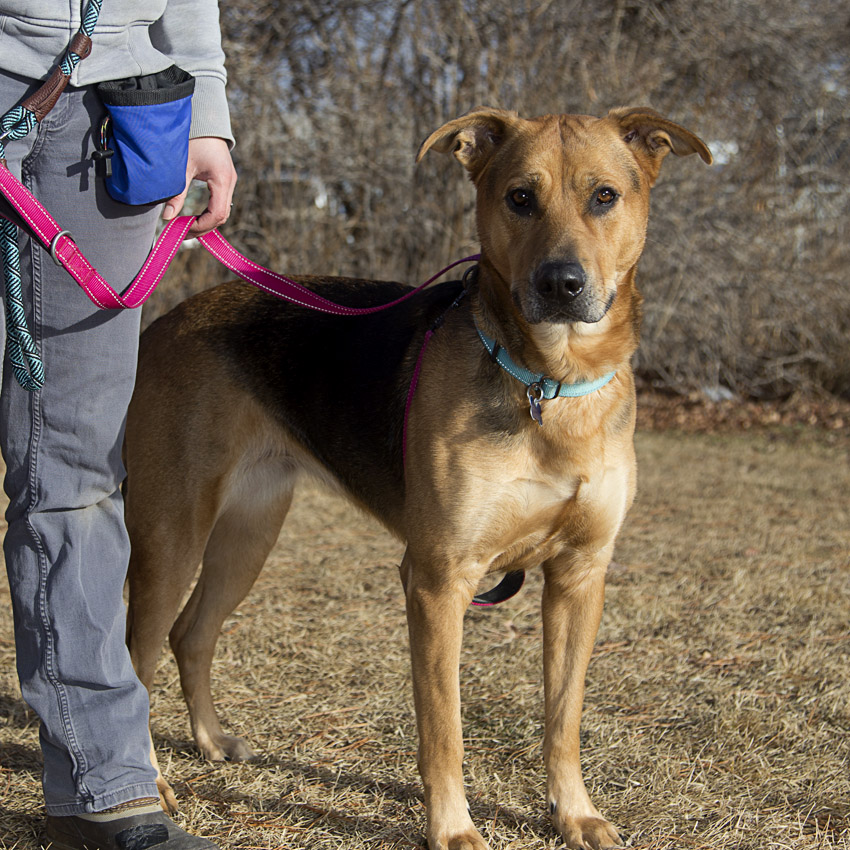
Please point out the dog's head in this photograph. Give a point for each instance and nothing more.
(563, 200)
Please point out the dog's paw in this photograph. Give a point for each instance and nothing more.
(167, 797)
(454, 832)
(467, 840)
(586, 833)
(225, 748)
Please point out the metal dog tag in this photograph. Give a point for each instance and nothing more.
(535, 396)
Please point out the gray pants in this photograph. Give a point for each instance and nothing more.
(66, 548)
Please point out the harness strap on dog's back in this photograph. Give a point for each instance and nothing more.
(417, 371)
(511, 582)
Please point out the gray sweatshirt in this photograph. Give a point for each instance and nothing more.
(131, 38)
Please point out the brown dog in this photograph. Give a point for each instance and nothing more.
(239, 393)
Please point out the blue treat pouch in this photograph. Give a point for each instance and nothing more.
(144, 141)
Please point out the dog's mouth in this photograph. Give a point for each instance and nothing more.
(584, 309)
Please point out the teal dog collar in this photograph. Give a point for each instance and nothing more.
(538, 386)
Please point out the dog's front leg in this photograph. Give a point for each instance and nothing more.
(435, 609)
(573, 594)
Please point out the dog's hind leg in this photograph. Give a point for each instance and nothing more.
(167, 548)
(165, 556)
(243, 536)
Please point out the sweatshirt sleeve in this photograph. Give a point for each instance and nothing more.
(189, 33)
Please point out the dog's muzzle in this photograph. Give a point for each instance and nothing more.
(560, 293)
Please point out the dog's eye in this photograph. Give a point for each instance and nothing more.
(604, 199)
(521, 200)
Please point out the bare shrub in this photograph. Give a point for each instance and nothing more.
(745, 268)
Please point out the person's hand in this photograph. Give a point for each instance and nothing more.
(210, 162)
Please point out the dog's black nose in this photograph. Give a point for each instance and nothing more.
(556, 280)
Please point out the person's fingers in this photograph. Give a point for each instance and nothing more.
(218, 208)
(209, 161)
(174, 205)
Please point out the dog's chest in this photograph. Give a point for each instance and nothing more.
(541, 512)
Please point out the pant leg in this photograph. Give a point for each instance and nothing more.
(67, 548)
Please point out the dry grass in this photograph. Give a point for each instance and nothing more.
(718, 705)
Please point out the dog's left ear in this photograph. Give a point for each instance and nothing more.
(651, 137)
(472, 138)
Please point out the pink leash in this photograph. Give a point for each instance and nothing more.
(61, 246)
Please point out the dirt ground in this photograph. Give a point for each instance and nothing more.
(718, 703)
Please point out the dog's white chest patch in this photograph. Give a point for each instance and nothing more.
(603, 497)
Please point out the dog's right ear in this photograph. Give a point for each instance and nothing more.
(472, 138)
